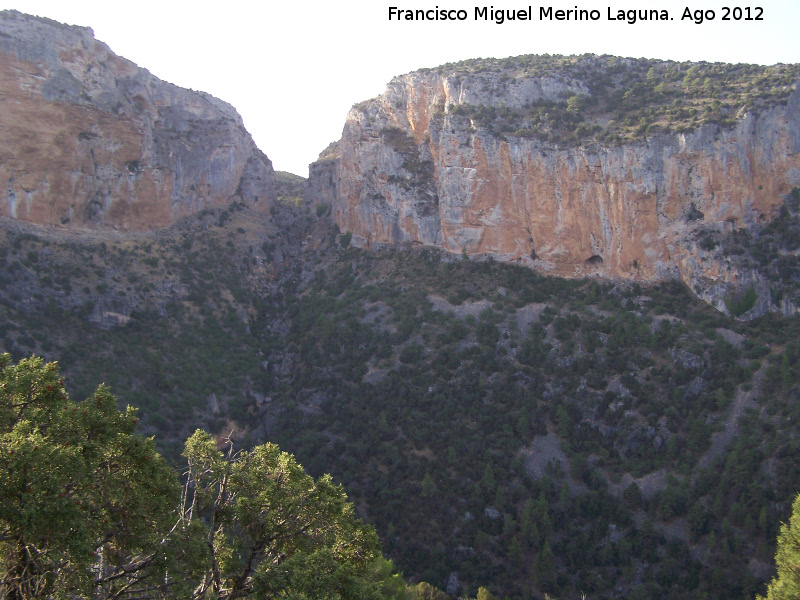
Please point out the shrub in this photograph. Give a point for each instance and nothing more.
(738, 306)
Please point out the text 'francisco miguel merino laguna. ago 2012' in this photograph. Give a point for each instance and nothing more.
(548, 13)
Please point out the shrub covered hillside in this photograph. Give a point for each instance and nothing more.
(624, 98)
(499, 428)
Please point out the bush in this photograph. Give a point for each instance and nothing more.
(738, 306)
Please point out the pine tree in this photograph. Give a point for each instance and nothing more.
(85, 502)
(786, 586)
(545, 567)
(270, 528)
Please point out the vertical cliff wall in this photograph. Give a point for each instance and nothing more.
(423, 163)
(87, 138)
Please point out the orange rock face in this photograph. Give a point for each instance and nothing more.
(89, 139)
(613, 210)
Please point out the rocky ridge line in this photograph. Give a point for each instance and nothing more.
(90, 139)
(436, 160)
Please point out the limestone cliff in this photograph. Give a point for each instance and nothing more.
(590, 165)
(87, 138)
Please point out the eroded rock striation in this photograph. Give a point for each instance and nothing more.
(87, 138)
(561, 169)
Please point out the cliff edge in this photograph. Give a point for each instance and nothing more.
(577, 166)
(87, 138)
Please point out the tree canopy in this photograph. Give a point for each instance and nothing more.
(271, 527)
(786, 585)
(88, 508)
(84, 501)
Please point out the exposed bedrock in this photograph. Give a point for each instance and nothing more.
(410, 167)
(87, 138)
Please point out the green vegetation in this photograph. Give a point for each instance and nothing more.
(770, 250)
(498, 387)
(744, 303)
(619, 99)
(90, 510)
(77, 486)
(289, 188)
(332, 152)
(173, 311)
(420, 169)
(786, 586)
(499, 428)
(272, 529)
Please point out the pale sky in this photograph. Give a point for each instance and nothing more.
(293, 69)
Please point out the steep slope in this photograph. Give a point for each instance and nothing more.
(87, 138)
(574, 165)
(482, 416)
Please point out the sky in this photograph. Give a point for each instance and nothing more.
(294, 68)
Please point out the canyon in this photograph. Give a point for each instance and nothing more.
(479, 313)
(591, 166)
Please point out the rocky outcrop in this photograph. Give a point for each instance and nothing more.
(87, 138)
(320, 188)
(411, 167)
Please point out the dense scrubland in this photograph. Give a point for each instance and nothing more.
(497, 427)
